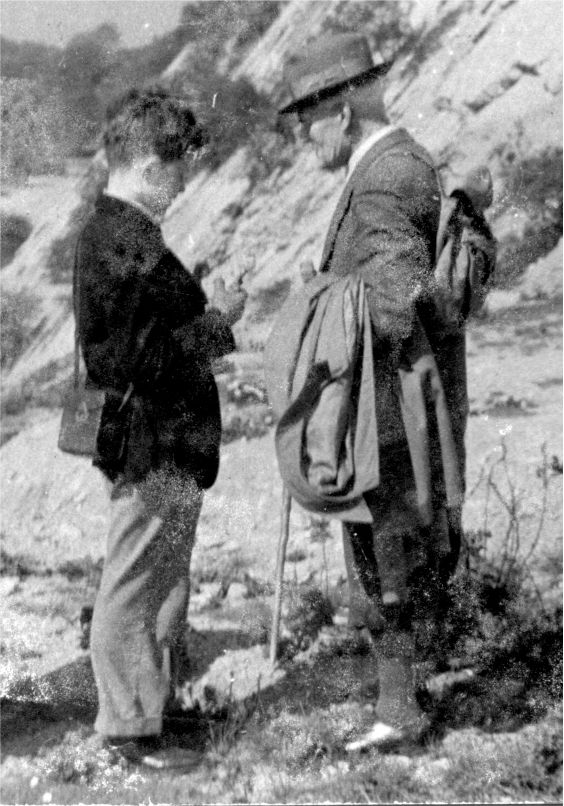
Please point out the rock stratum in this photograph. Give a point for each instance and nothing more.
(475, 82)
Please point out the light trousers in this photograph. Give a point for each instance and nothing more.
(141, 607)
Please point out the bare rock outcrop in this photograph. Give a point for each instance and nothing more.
(475, 82)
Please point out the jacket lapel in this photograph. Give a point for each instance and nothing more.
(397, 136)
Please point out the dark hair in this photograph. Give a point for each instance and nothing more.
(143, 122)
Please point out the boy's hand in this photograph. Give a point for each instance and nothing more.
(230, 302)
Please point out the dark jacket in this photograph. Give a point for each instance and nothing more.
(134, 301)
(384, 230)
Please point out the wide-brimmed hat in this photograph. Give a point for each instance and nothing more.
(328, 64)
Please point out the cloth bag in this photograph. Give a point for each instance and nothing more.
(80, 423)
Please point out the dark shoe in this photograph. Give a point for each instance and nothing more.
(150, 752)
(180, 721)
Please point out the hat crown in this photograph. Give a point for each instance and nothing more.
(328, 63)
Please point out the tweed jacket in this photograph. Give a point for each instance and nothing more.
(384, 229)
(133, 303)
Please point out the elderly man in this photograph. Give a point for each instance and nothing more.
(384, 230)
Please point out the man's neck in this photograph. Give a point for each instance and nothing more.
(366, 128)
(369, 132)
(125, 188)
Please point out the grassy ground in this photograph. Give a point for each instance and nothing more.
(281, 739)
(278, 735)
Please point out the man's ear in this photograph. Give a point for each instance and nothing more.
(151, 170)
(346, 117)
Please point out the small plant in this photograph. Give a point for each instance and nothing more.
(34, 136)
(319, 532)
(532, 183)
(227, 722)
(60, 261)
(18, 310)
(497, 620)
(14, 231)
(308, 610)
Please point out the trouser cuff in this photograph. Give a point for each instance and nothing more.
(130, 727)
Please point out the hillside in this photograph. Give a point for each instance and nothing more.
(468, 84)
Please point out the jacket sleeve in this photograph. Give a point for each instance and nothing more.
(396, 207)
(214, 334)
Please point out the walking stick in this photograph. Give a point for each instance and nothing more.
(280, 559)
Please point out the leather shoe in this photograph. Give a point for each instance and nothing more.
(382, 736)
(151, 753)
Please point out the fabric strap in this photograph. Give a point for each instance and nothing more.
(76, 302)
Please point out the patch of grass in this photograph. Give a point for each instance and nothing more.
(306, 610)
(498, 621)
(319, 531)
(532, 183)
(34, 124)
(249, 423)
(225, 568)
(14, 231)
(18, 310)
(60, 261)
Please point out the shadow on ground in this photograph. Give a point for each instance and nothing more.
(39, 712)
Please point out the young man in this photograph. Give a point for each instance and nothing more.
(384, 230)
(147, 338)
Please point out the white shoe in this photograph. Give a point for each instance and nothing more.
(383, 736)
(379, 735)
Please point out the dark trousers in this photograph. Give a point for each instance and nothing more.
(397, 568)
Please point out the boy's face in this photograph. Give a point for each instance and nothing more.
(166, 180)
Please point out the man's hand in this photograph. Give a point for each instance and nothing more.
(307, 271)
(230, 302)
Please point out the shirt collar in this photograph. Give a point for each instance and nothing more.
(365, 146)
(136, 204)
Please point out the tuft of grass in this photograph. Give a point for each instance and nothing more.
(498, 621)
(18, 310)
(533, 183)
(14, 231)
(307, 610)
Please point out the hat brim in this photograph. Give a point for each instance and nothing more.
(307, 101)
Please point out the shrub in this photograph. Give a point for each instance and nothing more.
(14, 231)
(233, 112)
(34, 127)
(533, 184)
(60, 261)
(17, 312)
(386, 25)
(497, 619)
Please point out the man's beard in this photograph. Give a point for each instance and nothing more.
(334, 152)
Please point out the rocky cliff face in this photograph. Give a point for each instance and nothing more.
(476, 82)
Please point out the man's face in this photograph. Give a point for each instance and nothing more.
(327, 125)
